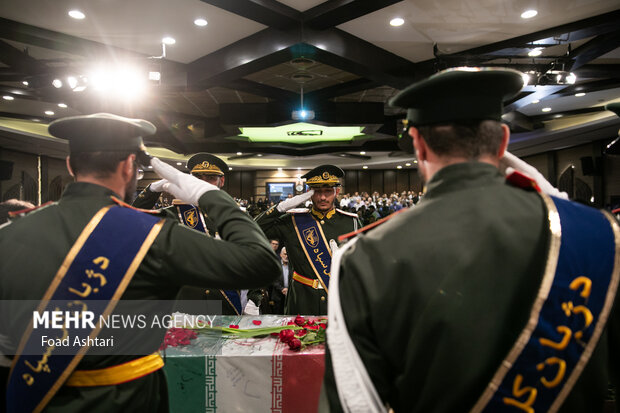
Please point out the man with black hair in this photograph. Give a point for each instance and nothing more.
(91, 247)
(310, 236)
(489, 295)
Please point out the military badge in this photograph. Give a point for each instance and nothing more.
(311, 237)
(190, 218)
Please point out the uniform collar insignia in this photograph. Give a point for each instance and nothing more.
(321, 215)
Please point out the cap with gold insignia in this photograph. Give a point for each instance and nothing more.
(614, 147)
(102, 132)
(457, 94)
(204, 163)
(324, 176)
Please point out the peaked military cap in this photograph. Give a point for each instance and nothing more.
(614, 147)
(102, 132)
(206, 164)
(324, 175)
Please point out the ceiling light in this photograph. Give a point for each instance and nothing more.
(279, 169)
(399, 167)
(364, 167)
(62, 105)
(571, 78)
(546, 109)
(200, 22)
(150, 167)
(535, 101)
(408, 164)
(528, 14)
(526, 78)
(535, 52)
(415, 161)
(49, 112)
(558, 116)
(397, 21)
(362, 153)
(580, 94)
(260, 154)
(239, 153)
(79, 89)
(57, 83)
(25, 83)
(156, 76)
(76, 14)
(7, 97)
(168, 40)
(72, 82)
(179, 163)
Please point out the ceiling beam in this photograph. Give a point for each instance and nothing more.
(335, 12)
(19, 60)
(341, 89)
(594, 48)
(271, 13)
(556, 115)
(259, 51)
(259, 89)
(48, 39)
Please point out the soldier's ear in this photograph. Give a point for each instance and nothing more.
(69, 167)
(505, 140)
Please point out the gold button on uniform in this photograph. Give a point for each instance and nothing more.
(322, 222)
(207, 291)
(322, 298)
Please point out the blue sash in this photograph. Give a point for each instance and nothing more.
(315, 246)
(98, 267)
(191, 217)
(568, 316)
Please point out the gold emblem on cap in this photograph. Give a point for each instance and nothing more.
(325, 175)
(205, 167)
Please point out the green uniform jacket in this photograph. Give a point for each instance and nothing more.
(303, 299)
(146, 200)
(435, 297)
(33, 247)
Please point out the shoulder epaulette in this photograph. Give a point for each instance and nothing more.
(13, 214)
(351, 214)
(522, 181)
(126, 205)
(298, 211)
(352, 234)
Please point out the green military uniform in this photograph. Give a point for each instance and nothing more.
(436, 297)
(32, 249)
(301, 298)
(200, 164)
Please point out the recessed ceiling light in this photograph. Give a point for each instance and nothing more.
(415, 161)
(399, 167)
(7, 97)
(364, 167)
(397, 21)
(62, 105)
(558, 116)
(49, 112)
(76, 14)
(25, 83)
(546, 109)
(408, 164)
(168, 40)
(528, 14)
(239, 153)
(230, 168)
(535, 101)
(580, 94)
(200, 22)
(57, 83)
(362, 153)
(179, 163)
(279, 169)
(535, 52)
(260, 154)
(150, 167)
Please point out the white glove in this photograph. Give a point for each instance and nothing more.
(251, 308)
(291, 203)
(183, 186)
(510, 163)
(333, 245)
(157, 186)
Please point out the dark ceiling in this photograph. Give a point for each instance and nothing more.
(257, 79)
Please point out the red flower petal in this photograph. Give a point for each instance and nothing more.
(257, 322)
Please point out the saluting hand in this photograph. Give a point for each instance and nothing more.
(183, 186)
(291, 203)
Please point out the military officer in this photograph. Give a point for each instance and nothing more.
(480, 299)
(96, 245)
(310, 235)
(211, 169)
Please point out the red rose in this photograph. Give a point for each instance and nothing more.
(290, 323)
(309, 327)
(286, 335)
(257, 322)
(323, 326)
(275, 334)
(233, 326)
(300, 321)
(294, 344)
(300, 333)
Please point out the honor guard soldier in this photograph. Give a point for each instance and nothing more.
(310, 236)
(90, 247)
(211, 169)
(489, 295)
